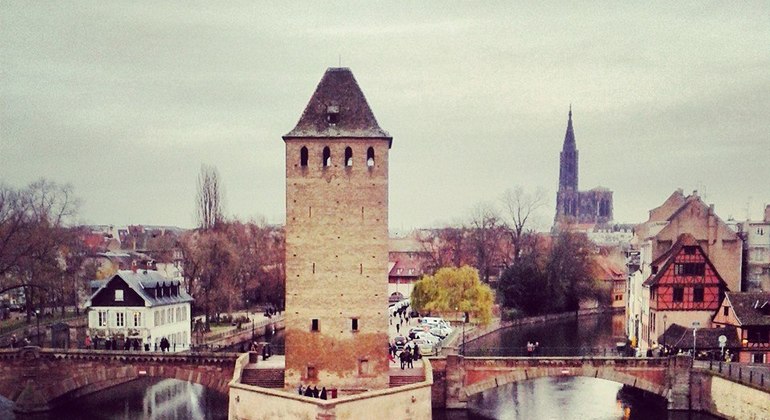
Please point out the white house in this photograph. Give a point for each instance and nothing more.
(142, 307)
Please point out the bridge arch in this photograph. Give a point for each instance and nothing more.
(606, 373)
(37, 379)
(462, 377)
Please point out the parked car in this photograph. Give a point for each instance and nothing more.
(400, 342)
(415, 330)
(426, 348)
(440, 331)
(427, 337)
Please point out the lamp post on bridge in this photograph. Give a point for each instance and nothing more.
(695, 326)
(665, 318)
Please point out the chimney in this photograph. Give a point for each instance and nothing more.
(767, 213)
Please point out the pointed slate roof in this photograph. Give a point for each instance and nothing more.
(338, 92)
(667, 258)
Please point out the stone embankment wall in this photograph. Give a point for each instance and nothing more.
(232, 337)
(248, 402)
(728, 399)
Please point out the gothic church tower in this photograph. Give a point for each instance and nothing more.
(337, 241)
(573, 206)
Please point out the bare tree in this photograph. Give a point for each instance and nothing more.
(521, 207)
(485, 233)
(34, 238)
(209, 200)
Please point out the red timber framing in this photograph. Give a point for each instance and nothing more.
(685, 279)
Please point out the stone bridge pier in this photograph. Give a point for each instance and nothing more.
(37, 379)
(456, 378)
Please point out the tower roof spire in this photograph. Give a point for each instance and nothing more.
(338, 93)
(569, 136)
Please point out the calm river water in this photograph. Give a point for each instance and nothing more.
(545, 398)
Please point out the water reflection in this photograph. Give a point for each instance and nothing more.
(595, 334)
(144, 398)
(151, 398)
(568, 398)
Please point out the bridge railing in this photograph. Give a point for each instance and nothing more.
(543, 351)
(757, 376)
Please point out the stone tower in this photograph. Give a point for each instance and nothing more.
(574, 206)
(337, 241)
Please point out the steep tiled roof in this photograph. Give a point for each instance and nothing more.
(751, 308)
(705, 338)
(338, 92)
(610, 269)
(667, 258)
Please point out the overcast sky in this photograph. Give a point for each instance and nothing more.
(125, 100)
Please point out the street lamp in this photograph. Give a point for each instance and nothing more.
(695, 326)
(465, 318)
(37, 315)
(665, 318)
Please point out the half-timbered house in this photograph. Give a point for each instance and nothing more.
(684, 289)
(749, 314)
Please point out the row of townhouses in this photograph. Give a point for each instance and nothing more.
(696, 281)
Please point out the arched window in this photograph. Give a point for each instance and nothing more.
(327, 157)
(370, 157)
(303, 156)
(348, 156)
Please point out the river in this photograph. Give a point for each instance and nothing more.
(545, 398)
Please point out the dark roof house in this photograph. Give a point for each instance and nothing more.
(139, 288)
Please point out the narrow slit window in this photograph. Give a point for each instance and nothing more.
(314, 325)
(370, 157)
(354, 324)
(327, 157)
(348, 156)
(303, 156)
(313, 268)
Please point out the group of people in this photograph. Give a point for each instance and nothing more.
(15, 343)
(267, 351)
(113, 344)
(406, 356)
(312, 392)
(402, 317)
(270, 311)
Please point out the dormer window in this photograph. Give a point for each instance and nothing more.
(332, 114)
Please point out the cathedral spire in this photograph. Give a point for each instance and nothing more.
(569, 136)
(568, 168)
